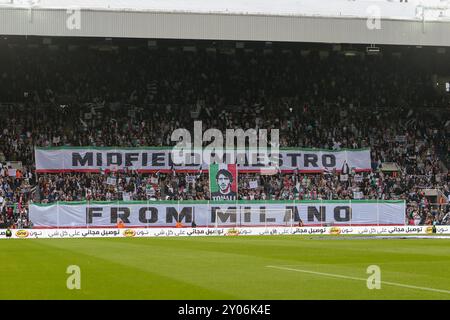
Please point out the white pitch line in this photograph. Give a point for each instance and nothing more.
(361, 279)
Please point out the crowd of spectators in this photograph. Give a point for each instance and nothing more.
(181, 186)
(137, 98)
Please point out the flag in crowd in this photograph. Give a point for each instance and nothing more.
(223, 179)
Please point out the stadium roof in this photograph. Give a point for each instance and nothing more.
(321, 8)
(418, 22)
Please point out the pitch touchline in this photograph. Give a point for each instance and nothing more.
(360, 279)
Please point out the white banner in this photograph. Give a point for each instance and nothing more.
(154, 180)
(191, 179)
(111, 181)
(126, 196)
(417, 231)
(90, 159)
(357, 195)
(253, 184)
(225, 213)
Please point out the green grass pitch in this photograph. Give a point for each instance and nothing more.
(225, 268)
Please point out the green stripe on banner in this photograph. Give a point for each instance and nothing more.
(170, 148)
(237, 202)
(213, 169)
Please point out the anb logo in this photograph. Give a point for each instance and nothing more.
(335, 230)
(21, 233)
(429, 230)
(129, 233)
(232, 232)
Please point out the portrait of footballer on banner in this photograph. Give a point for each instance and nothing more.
(223, 179)
(235, 158)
